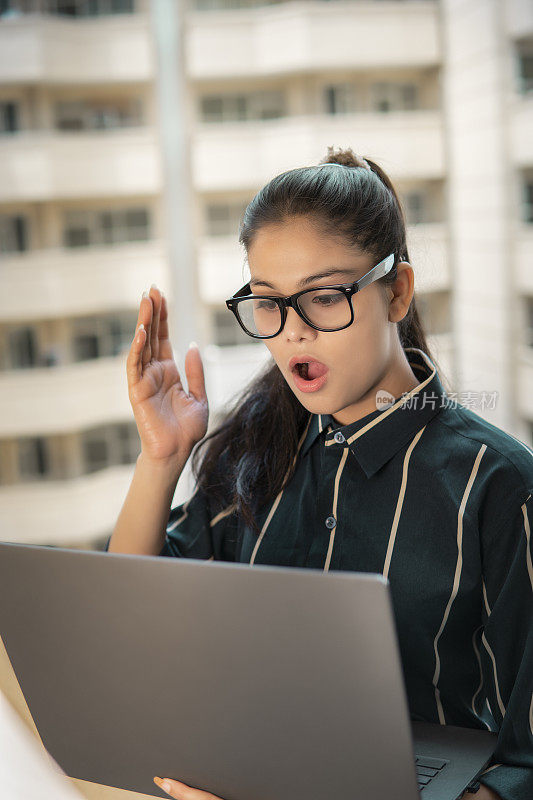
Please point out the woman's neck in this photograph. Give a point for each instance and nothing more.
(397, 379)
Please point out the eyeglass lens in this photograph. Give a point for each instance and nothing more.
(328, 309)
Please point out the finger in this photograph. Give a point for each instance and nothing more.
(165, 348)
(155, 294)
(183, 792)
(194, 372)
(134, 359)
(147, 316)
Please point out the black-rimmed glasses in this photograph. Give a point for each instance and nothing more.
(327, 308)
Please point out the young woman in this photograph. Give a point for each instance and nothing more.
(360, 461)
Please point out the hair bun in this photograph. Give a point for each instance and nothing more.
(345, 158)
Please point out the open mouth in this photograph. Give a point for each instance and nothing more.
(309, 371)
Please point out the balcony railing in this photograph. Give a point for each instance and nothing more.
(40, 165)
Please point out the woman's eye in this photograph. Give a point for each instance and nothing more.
(329, 299)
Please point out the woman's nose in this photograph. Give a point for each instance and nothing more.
(295, 325)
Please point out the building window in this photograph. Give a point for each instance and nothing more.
(223, 219)
(91, 337)
(528, 200)
(129, 442)
(13, 233)
(87, 227)
(89, 8)
(101, 337)
(119, 332)
(22, 347)
(341, 98)
(130, 225)
(110, 445)
(262, 104)
(415, 207)
(388, 96)
(224, 109)
(524, 56)
(435, 312)
(268, 104)
(96, 115)
(223, 5)
(95, 450)
(226, 330)
(33, 457)
(529, 321)
(86, 343)
(5, 477)
(9, 118)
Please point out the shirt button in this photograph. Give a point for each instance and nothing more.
(331, 522)
(339, 437)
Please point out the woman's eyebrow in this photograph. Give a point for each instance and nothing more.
(310, 278)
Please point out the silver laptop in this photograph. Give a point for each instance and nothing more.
(250, 682)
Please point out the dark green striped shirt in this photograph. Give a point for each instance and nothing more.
(438, 500)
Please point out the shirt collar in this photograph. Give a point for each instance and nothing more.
(376, 438)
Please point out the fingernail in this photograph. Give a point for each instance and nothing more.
(141, 326)
(153, 286)
(193, 344)
(162, 784)
(145, 294)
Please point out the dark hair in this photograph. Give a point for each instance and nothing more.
(251, 454)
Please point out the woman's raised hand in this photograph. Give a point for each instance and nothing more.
(170, 421)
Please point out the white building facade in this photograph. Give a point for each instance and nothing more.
(447, 114)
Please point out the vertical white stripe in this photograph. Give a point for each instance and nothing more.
(276, 502)
(483, 638)
(528, 541)
(439, 706)
(399, 502)
(457, 577)
(476, 650)
(485, 598)
(334, 512)
(496, 684)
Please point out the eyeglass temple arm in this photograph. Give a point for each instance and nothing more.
(377, 272)
(244, 292)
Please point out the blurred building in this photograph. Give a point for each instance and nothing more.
(439, 93)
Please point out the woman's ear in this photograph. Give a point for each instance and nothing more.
(401, 292)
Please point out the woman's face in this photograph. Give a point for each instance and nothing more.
(359, 356)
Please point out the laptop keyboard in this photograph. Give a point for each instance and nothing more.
(426, 769)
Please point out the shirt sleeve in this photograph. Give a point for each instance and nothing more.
(193, 530)
(507, 650)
